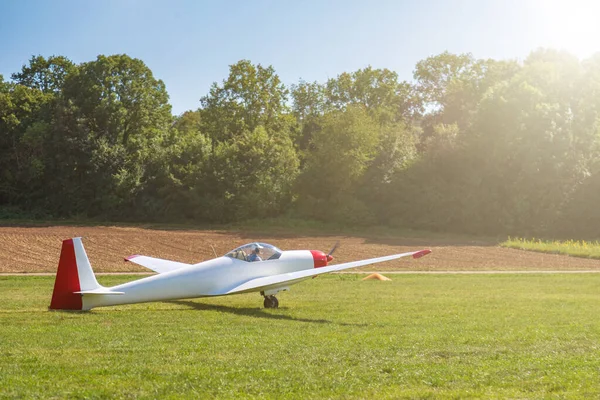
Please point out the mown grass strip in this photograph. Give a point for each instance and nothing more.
(574, 248)
(443, 336)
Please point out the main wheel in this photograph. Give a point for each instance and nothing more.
(275, 302)
(271, 302)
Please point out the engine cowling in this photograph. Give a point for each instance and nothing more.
(320, 259)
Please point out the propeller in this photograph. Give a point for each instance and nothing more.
(333, 249)
(318, 257)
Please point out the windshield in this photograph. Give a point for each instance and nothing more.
(245, 253)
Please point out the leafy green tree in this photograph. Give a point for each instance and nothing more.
(309, 100)
(437, 73)
(395, 152)
(513, 166)
(452, 87)
(178, 172)
(26, 117)
(253, 161)
(341, 152)
(528, 128)
(309, 105)
(47, 75)
(253, 174)
(580, 215)
(480, 146)
(111, 112)
(23, 131)
(3, 85)
(251, 96)
(119, 99)
(523, 162)
(374, 89)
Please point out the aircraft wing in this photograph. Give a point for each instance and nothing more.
(156, 264)
(281, 280)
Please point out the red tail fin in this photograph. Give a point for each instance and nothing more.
(67, 280)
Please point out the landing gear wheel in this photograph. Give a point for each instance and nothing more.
(271, 302)
(268, 303)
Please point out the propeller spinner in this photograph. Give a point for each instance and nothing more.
(321, 259)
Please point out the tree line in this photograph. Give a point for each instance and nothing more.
(470, 145)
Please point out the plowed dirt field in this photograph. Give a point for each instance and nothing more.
(37, 249)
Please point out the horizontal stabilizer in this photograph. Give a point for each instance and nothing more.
(156, 264)
(101, 290)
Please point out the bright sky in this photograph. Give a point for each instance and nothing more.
(190, 43)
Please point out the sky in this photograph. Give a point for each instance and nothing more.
(189, 44)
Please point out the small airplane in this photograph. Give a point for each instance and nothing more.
(254, 267)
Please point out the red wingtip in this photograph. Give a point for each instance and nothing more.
(131, 257)
(421, 253)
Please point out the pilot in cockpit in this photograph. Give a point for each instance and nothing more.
(255, 253)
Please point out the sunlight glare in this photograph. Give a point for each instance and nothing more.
(568, 25)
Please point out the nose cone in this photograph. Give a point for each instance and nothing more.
(320, 259)
(329, 258)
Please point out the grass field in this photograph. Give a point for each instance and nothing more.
(419, 336)
(574, 248)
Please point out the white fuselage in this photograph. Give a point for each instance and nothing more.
(208, 278)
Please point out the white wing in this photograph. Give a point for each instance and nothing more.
(278, 281)
(156, 264)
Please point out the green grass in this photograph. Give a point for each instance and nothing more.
(419, 336)
(574, 248)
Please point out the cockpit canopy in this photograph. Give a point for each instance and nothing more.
(267, 251)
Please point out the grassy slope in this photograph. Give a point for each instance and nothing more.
(440, 336)
(572, 248)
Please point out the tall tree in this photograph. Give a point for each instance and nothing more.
(253, 174)
(47, 75)
(580, 216)
(309, 100)
(516, 167)
(3, 85)
(251, 96)
(253, 161)
(341, 152)
(111, 111)
(435, 74)
(377, 91)
(309, 105)
(374, 89)
(24, 126)
(178, 172)
(119, 99)
(452, 86)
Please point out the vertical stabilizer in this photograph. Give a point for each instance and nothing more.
(74, 275)
(87, 279)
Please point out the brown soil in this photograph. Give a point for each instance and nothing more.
(37, 249)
